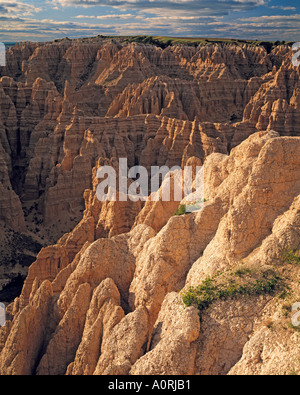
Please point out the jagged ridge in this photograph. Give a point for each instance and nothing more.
(67, 108)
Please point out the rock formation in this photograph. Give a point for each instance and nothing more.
(105, 294)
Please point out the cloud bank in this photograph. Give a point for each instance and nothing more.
(200, 7)
(244, 19)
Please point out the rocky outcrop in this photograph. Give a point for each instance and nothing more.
(103, 315)
(125, 344)
(106, 298)
(26, 340)
(53, 107)
(118, 305)
(255, 207)
(269, 353)
(175, 332)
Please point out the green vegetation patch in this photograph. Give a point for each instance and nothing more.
(181, 210)
(164, 42)
(290, 256)
(231, 285)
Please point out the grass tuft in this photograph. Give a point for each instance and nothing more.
(231, 286)
(290, 256)
(181, 210)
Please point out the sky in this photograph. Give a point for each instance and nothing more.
(36, 20)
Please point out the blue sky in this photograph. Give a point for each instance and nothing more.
(245, 19)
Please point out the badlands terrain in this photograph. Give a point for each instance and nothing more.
(119, 288)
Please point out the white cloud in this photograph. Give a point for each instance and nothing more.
(272, 18)
(17, 8)
(199, 7)
(108, 16)
(194, 18)
(283, 8)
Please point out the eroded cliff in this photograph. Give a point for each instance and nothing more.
(107, 297)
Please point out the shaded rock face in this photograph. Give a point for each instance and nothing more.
(116, 308)
(105, 297)
(66, 107)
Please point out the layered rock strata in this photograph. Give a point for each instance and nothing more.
(105, 297)
(116, 307)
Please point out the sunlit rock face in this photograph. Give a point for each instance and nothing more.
(104, 294)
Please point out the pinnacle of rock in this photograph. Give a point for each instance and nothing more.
(104, 281)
